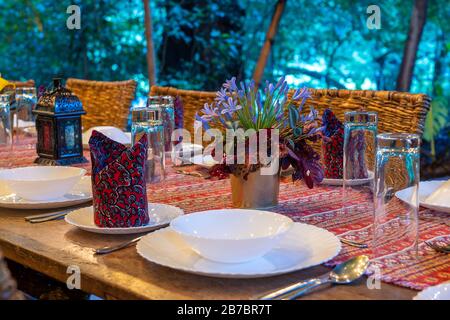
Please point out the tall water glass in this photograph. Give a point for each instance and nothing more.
(360, 130)
(148, 120)
(167, 117)
(26, 102)
(5, 121)
(398, 167)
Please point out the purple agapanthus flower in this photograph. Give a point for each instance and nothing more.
(302, 93)
(221, 95)
(209, 112)
(230, 106)
(280, 82)
(205, 123)
(230, 84)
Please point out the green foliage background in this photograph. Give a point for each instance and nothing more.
(199, 44)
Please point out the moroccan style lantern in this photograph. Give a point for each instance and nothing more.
(58, 123)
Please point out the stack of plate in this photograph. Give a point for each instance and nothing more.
(426, 189)
(43, 187)
(234, 243)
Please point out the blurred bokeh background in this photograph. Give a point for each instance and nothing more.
(199, 44)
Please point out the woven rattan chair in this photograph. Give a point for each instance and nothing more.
(105, 103)
(24, 84)
(193, 101)
(397, 111)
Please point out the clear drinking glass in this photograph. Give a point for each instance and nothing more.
(5, 121)
(398, 167)
(26, 99)
(360, 130)
(167, 117)
(148, 120)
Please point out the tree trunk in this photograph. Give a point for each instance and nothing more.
(149, 39)
(417, 22)
(268, 42)
(197, 55)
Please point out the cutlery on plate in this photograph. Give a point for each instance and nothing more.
(439, 248)
(343, 273)
(44, 215)
(354, 243)
(193, 173)
(125, 244)
(122, 245)
(184, 164)
(47, 216)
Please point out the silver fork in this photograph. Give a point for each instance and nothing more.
(125, 244)
(360, 245)
(47, 216)
(439, 248)
(122, 245)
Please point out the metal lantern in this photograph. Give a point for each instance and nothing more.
(58, 123)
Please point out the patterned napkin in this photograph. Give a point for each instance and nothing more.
(179, 112)
(118, 182)
(333, 145)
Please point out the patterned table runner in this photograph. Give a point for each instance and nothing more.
(320, 206)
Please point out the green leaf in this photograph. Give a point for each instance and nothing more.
(291, 143)
(436, 118)
(435, 121)
(293, 117)
(297, 131)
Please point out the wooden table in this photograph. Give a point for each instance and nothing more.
(51, 247)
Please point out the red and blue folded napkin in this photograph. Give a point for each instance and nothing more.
(179, 112)
(118, 182)
(333, 145)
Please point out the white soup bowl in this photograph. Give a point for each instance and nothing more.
(41, 183)
(232, 235)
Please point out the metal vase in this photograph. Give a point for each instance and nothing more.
(257, 192)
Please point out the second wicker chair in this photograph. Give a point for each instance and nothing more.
(397, 111)
(106, 103)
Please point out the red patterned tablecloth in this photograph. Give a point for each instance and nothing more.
(320, 206)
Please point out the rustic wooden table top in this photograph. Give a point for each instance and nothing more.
(52, 247)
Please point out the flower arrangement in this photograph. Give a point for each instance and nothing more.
(245, 107)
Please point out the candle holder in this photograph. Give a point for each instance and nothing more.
(58, 124)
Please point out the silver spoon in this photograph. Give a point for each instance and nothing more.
(343, 273)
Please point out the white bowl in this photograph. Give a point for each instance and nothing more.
(232, 235)
(186, 151)
(41, 183)
(111, 132)
(438, 292)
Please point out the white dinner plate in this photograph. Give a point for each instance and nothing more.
(203, 161)
(30, 130)
(303, 246)
(81, 193)
(425, 189)
(354, 182)
(111, 132)
(160, 214)
(439, 292)
(22, 124)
